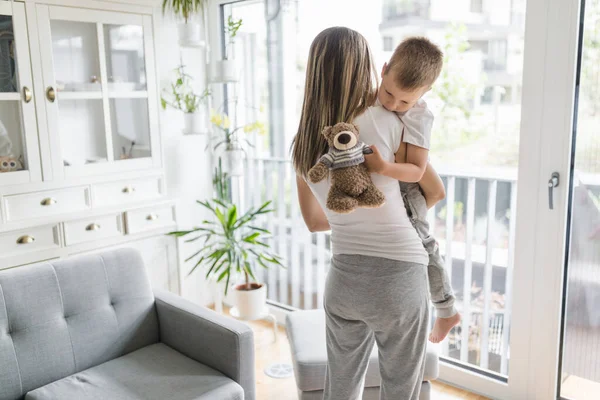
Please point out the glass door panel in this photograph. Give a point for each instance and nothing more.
(125, 62)
(82, 132)
(12, 133)
(130, 128)
(580, 375)
(75, 55)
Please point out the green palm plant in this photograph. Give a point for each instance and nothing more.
(232, 243)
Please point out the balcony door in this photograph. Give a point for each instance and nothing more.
(502, 104)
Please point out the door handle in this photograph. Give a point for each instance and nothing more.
(552, 183)
(26, 94)
(50, 94)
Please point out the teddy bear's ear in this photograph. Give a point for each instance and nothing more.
(326, 130)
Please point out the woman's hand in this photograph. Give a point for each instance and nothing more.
(374, 162)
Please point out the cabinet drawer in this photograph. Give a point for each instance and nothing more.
(150, 218)
(123, 192)
(29, 240)
(47, 203)
(90, 229)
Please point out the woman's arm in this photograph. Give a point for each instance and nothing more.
(410, 171)
(313, 214)
(432, 186)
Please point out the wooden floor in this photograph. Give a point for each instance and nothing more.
(268, 352)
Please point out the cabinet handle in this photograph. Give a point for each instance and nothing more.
(152, 217)
(51, 94)
(26, 94)
(48, 202)
(92, 227)
(25, 239)
(128, 189)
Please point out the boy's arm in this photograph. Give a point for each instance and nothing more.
(410, 171)
(432, 186)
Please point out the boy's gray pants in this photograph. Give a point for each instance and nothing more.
(440, 286)
(368, 300)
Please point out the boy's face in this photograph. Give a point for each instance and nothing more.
(394, 98)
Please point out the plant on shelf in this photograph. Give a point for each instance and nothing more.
(189, 33)
(233, 244)
(229, 138)
(226, 68)
(180, 96)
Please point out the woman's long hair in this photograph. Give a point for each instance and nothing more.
(341, 83)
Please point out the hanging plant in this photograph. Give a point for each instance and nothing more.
(183, 8)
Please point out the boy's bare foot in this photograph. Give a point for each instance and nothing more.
(442, 327)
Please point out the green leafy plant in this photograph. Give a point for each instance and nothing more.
(180, 94)
(231, 30)
(184, 8)
(232, 243)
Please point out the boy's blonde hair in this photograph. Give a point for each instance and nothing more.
(341, 83)
(417, 62)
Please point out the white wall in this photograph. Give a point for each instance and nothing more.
(187, 163)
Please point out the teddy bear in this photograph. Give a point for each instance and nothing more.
(351, 184)
(10, 164)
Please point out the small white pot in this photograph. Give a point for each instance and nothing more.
(225, 71)
(190, 35)
(251, 303)
(233, 160)
(195, 123)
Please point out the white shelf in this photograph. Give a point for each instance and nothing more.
(10, 96)
(79, 95)
(138, 94)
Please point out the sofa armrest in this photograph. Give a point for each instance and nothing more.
(212, 339)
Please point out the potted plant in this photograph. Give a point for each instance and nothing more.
(233, 245)
(181, 96)
(230, 140)
(226, 70)
(190, 33)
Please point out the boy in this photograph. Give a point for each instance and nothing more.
(410, 73)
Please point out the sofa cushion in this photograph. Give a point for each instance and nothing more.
(63, 317)
(306, 332)
(154, 372)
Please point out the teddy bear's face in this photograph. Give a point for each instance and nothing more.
(9, 164)
(341, 136)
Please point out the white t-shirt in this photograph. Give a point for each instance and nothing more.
(418, 121)
(379, 232)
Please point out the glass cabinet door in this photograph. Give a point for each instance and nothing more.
(19, 160)
(99, 91)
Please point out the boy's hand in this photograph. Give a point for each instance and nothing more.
(374, 162)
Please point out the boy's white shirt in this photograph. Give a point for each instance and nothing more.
(418, 122)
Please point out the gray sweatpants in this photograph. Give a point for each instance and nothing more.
(440, 287)
(368, 300)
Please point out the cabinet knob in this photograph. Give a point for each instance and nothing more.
(26, 94)
(128, 189)
(26, 239)
(50, 94)
(48, 202)
(152, 217)
(92, 227)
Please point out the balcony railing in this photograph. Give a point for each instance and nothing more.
(475, 230)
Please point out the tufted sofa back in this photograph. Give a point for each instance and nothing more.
(62, 317)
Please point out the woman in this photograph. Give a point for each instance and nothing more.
(376, 288)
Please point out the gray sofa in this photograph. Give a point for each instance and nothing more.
(92, 328)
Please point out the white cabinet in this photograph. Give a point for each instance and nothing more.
(19, 146)
(80, 148)
(99, 84)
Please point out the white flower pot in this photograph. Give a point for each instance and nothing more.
(251, 303)
(195, 123)
(225, 71)
(190, 35)
(233, 160)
